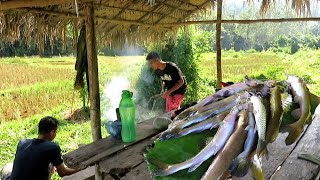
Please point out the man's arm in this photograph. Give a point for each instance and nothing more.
(65, 171)
(162, 86)
(174, 88)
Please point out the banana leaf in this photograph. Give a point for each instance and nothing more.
(178, 150)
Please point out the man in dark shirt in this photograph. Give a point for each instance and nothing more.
(174, 84)
(35, 157)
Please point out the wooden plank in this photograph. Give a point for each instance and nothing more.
(84, 174)
(86, 155)
(126, 159)
(278, 152)
(218, 42)
(139, 173)
(294, 168)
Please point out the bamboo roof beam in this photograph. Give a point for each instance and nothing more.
(72, 15)
(236, 21)
(133, 10)
(14, 4)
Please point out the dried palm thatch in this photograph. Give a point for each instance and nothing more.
(117, 21)
(301, 6)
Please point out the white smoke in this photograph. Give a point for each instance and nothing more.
(112, 96)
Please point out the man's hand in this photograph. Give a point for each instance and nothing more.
(165, 94)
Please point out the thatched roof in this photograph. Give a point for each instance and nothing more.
(116, 20)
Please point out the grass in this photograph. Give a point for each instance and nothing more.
(36, 87)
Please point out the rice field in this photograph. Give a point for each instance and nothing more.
(31, 88)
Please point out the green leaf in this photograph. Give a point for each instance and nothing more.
(177, 150)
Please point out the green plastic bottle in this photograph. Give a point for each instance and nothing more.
(127, 113)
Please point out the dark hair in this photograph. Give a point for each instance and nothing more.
(47, 124)
(153, 55)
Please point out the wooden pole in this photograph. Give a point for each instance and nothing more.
(218, 42)
(93, 79)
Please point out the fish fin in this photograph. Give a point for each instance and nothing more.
(295, 131)
(239, 166)
(287, 101)
(247, 128)
(309, 119)
(256, 168)
(296, 99)
(220, 123)
(194, 167)
(296, 114)
(261, 147)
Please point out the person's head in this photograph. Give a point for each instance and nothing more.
(154, 60)
(47, 128)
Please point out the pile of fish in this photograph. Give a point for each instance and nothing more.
(247, 116)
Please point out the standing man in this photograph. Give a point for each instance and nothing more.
(174, 84)
(35, 158)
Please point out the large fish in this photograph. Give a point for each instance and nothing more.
(218, 103)
(256, 168)
(210, 123)
(229, 90)
(215, 145)
(260, 117)
(302, 96)
(276, 113)
(197, 118)
(231, 150)
(240, 165)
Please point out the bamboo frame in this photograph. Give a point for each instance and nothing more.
(238, 21)
(218, 42)
(14, 4)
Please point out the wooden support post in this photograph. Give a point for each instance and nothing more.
(93, 79)
(218, 42)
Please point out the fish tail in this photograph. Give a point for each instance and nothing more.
(256, 168)
(274, 136)
(261, 147)
(239, 166)
(295, 131)
(161, 167)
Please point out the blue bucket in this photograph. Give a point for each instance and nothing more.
(114, 128)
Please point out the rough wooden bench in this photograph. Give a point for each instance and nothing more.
(126, 162)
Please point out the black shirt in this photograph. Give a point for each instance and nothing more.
(32, 159)
(170, 75)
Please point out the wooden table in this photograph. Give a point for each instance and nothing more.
(125, 161)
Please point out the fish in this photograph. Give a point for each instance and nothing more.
(240, 165)
(198, 118)
(256, 168)
(302, 96)
(276, 113)
(231, 150)
(227, 100)
(260, 117)
(211, 149)
(224, 92)
(210, 123)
